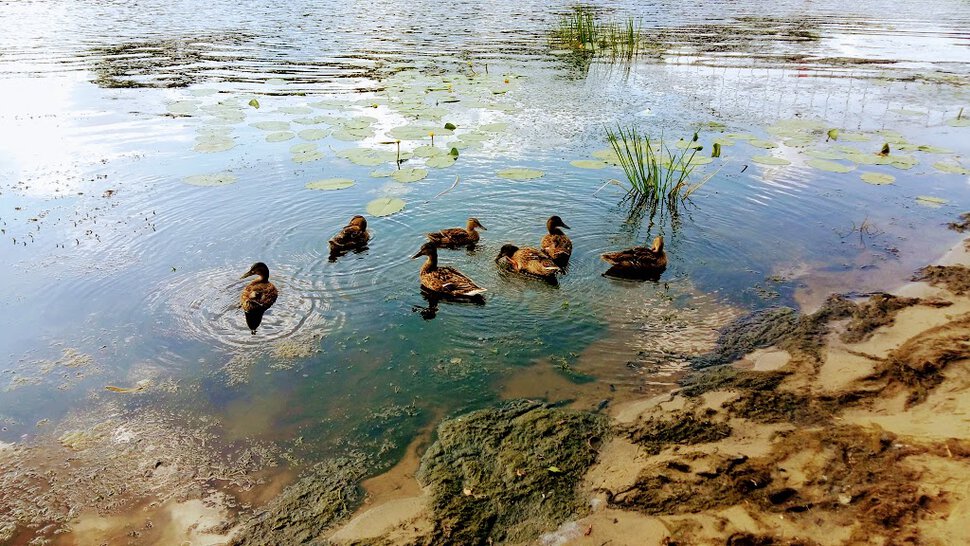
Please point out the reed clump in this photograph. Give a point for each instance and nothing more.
(582, 30)
(656, 174)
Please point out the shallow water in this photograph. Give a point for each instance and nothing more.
(110, 254)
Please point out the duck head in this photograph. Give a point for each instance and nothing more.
(507, 251)
(474, 223)
(260, 269)
(359, 221)
(427, 249)
(658, 245)
(555, 222)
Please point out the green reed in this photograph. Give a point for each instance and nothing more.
(656, 174)
(581, 30)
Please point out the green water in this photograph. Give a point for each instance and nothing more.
(110, 110)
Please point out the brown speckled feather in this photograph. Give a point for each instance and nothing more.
(258, 295)
(454, 237)
(558, 246)
(640, 258)
(533, 261)
(349, 237)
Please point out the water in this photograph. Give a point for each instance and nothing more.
(110, 254)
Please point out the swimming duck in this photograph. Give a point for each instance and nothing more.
(458, 237)
(446, 281)
(639, 261)
(353, 236)
(556, 244)
(258, 296)
(528, 261)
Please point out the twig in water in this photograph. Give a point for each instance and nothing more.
(457, 178)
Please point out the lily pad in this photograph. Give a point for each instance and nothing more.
(353, 135)
(962, 122)
(950, 167)
(409, 175)
(330, 184)
(441, 161)
(520, 173)
(878, 179)
(213, 143)
(930, 201)
(759, 143)
(280, 137)
(381, 174)
(903, 162)
(496, 127)
(826, 154)
(589, 163)
(769, 160)
(830, 166)
(428, 151)
(313, 134)
(271, 125)
(932, 149)
(218, 179)
(295, 109)
(385, 206)
(367, 157)
(183, 107)
(413, 132)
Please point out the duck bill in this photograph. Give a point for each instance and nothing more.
(249, 274)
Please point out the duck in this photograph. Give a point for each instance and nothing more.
(556, 244)
(257, 296)
(353, 236)
(458, 237)
(445, 281)
(641, 261)
(528, 261)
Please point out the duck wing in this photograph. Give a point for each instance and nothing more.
(450, 236)
(449, 280)
(637, 258)
(535, 261)
(349, 237)
(557, 246)
(258, 296)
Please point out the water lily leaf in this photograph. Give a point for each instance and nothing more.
(427, 151)
(184, 107)
(769, 160)
(464, 145)
(608, 156)
(368, 157)
(359, 122)
(217, 179)
(254, 103)
(303, 148)
(352, 135)
(855, 137)
(589, 163)
(441, 161)
(329, 105)
(496, 127)
(295, 109)
(412, 132)
(474, 137)
(932, 149)
(799, 142)
(307, 157)
(279, 137)
(385, 206)
(962, 122)
(826, 165)
(450, 126)
(330, 184)
(520, 173)
(409, 175)
(863, 158)
(315, 120)
(213, 143)
(929, 201)
(826, 154)
(740, 136)
(382, 174)
(313, 134)
(832, 134)
(903, 162)
(950, 167)
(271, 125)
(766, 144)
(877, 179)
(453, 152)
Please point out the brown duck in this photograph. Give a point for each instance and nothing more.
(528, 261)
(556, 244)
(258, 296)
(445, 281)
(641, 261)
(458, 237)
(353, 236)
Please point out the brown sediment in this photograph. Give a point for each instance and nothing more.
(962, 225)
(955, 278)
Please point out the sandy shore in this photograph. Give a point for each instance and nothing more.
(857, 432)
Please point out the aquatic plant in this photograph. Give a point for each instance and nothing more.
(581, 30)
(656, 174)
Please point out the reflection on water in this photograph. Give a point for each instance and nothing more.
(148, 156)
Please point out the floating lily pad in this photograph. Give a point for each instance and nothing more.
(441, 161)
(409, 175)
(589, 163)
(382, 174)
(465, 145)
(608, 156)
(295, 109)
(254, 103)
(213, 143)
(929, 201)
(385, 206)
(826, 154)
(496, 127)
(203, 92)
(368, 157)
(800, 142)
(766, 144)
(184, 107)
(313, 134)
(932, 149)
(830, 166)
(218, 179)
(307, 157)
(353, 135)
(962, 122)
(903, 162)
(769, 160)
(315, 120)
(740, 136)
(280, 137)
(854, 137)
(359, 122)
(724, 142)
(271, 125)
(950, 167)
(330, 184)
(520, 173)
(329, 104)
(428, 151)
(413, 132)
(863, 158)
(474, 137)
(878, 179)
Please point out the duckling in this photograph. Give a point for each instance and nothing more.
(528, 261)
(640, 262)
(353, 236)
(258, 296)
(445, 281)
(556, 244)
(458, 237)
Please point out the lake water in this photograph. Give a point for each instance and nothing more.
(120, 270)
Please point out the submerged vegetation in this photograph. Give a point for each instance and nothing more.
(657, 175)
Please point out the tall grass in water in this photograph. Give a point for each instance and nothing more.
(581, 30)
(656, 176)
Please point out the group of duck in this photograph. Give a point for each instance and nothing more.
(545, 262)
